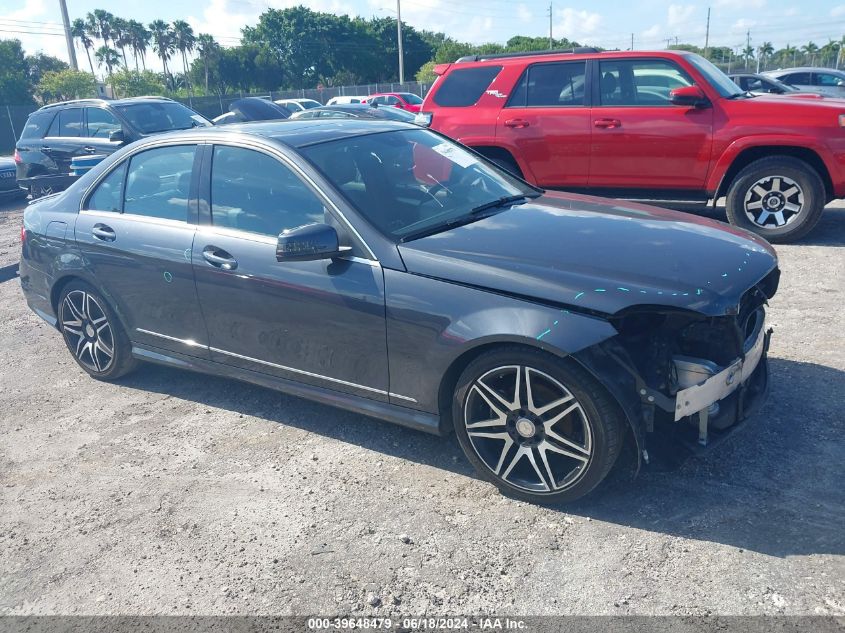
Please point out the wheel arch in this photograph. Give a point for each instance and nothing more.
(495, 151)
(750, 154)
(62, 282)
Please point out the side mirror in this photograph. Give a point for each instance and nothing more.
(689, 96)
(117, 137)
(308, 243)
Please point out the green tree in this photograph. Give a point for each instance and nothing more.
(208, 50)
(40, 63)
(162, 38)
(184, 41)
(133, 83)
(79, 31)
(120, 33)
(764, 51)
(139, 39)
(810, 49)
(66, 84)
(426, 73)
(107, 57)
(15, 87)
(748, 54)
(100, 23)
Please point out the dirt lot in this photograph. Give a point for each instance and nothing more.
(178, 493)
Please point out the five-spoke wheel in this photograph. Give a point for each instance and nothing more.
(92, 332)
(536, 426)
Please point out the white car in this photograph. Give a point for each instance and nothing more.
(298, 105)
(347, 99)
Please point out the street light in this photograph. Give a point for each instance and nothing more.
(399, 37)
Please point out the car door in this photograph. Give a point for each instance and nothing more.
(394, 101)
(99, 124)
(317, 322)
(136, 236)
(65, 138)
(546, 121)
(801, 80)
(640, 138)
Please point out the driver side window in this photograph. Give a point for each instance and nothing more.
(255, 192)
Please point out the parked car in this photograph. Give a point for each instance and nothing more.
(381, 267)
(760, 84)
(54, 134)
(8, 179)
(252, 109)
(346, 99)
(652, 125)
(356, 110)
(402, 100)
(824, 81)
(298, 105)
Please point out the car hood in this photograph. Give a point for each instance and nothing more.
(598, 255)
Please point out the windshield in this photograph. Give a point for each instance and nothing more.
(308, 104)
(723, 84)
(411, 98)
(411, 182)
(154, 116)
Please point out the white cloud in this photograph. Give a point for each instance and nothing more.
(738, 5)
(679, 14)
(837, 11)
(652, 32)
(524, 13)
(46, 33)
(577, 25)
(743, 24)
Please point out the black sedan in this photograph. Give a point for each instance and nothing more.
(356, 111)
(381, 267)
(8, 179)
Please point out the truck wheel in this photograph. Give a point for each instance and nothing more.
(780, 198)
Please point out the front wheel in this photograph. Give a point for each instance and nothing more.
(539, 428)
(780, 198)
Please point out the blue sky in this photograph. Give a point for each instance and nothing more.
(38, 22)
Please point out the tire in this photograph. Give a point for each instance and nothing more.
(91, 330)
(532, 448)
(766, 182)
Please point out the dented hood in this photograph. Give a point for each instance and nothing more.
(599, 255)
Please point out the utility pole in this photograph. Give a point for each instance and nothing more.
(707, 35)
(747, 46)
(71, 51)
(632, 41)
(551, 39)
(399, 35)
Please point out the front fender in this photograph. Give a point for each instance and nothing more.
(432, 323)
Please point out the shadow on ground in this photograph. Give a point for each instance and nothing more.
(774, 487)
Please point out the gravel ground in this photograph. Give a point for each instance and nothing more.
(175, 493)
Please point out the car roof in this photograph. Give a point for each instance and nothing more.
(294, 133)
(520, 58)
(106, 102)
(805, 69)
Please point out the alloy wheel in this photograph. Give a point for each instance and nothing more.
(528, 429)
(88, 332)
(773, 201)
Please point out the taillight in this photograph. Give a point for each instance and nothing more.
(23, 234)
(423, 118)
(18, 159)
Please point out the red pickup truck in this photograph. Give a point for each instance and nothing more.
(664, 125)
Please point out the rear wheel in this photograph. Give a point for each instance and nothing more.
(93, 334)
(780, 198)
(539, 428)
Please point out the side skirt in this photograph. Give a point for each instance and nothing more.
(410, 418)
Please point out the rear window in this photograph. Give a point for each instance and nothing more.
(37, 124)
(464, 86)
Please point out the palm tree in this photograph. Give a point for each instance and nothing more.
(810, 49)
(139, 38)
(207, 48)
(184, 41)
(120, 33)
(787, 52)
(162, 38)
(100, 23)
(829, 51)
(748, 54)
(764, 51)
(79, 31)
(107, 57)
(839, 53)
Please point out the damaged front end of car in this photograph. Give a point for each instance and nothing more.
(695, 375)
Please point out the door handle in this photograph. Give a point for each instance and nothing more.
(608, 124)
(46, 148)
(517, 123)
(103, 232)
(219, 258)
(89, 150)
